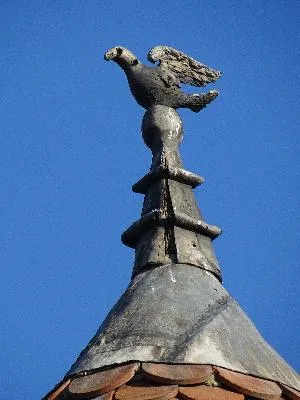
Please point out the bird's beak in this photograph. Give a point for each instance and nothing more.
(106, 56)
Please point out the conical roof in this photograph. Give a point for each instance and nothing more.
(175, 332)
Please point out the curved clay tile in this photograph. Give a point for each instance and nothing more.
(101, 382)
(143, 392)
(58, 390)
(179, 374)
(249, 385)
(292, 394)
(207, 393)
(105, 396)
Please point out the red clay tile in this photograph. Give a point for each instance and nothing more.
(139, 391)
(102, 382)
(179, 374)
(105, 396)
(57, 391)
(290, 393)
(203, 392)
(246, 384)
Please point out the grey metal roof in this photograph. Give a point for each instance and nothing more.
(182, 314)
(175, 309)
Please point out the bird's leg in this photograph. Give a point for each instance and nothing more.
(197, 102)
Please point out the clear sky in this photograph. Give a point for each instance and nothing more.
(71, 149)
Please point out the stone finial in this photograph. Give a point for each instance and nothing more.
(171, 227)
(162, 126)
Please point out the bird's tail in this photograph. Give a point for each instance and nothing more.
(200, 101)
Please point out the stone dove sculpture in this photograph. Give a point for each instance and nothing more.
(161, 85)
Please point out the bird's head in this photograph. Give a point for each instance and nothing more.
(121, 56)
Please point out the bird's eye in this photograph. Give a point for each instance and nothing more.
(134, 62)
(119, 51)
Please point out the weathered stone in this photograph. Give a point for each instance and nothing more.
(152, 86)
(171, 227)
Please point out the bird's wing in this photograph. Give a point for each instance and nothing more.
(168, 77)
(185, 68)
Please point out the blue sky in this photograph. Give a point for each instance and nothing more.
(71, 149)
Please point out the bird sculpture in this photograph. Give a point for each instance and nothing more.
(161, 85)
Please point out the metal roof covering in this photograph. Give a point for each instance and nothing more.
(175, 311)
(182, 314)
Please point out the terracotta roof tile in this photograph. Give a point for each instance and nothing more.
(180, 374)
(58, 390)
(203, 392)
(249, 385)
(290, 393)
(160, 382)
(105, 396)
(144, 392)
(101, 382)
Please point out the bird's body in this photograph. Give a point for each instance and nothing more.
(156, 85)
(148, 88)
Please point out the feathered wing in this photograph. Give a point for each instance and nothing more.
(185, 68)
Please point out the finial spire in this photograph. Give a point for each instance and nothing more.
(175, 324)
(171, 227)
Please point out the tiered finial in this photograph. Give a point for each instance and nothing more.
(171, 227)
